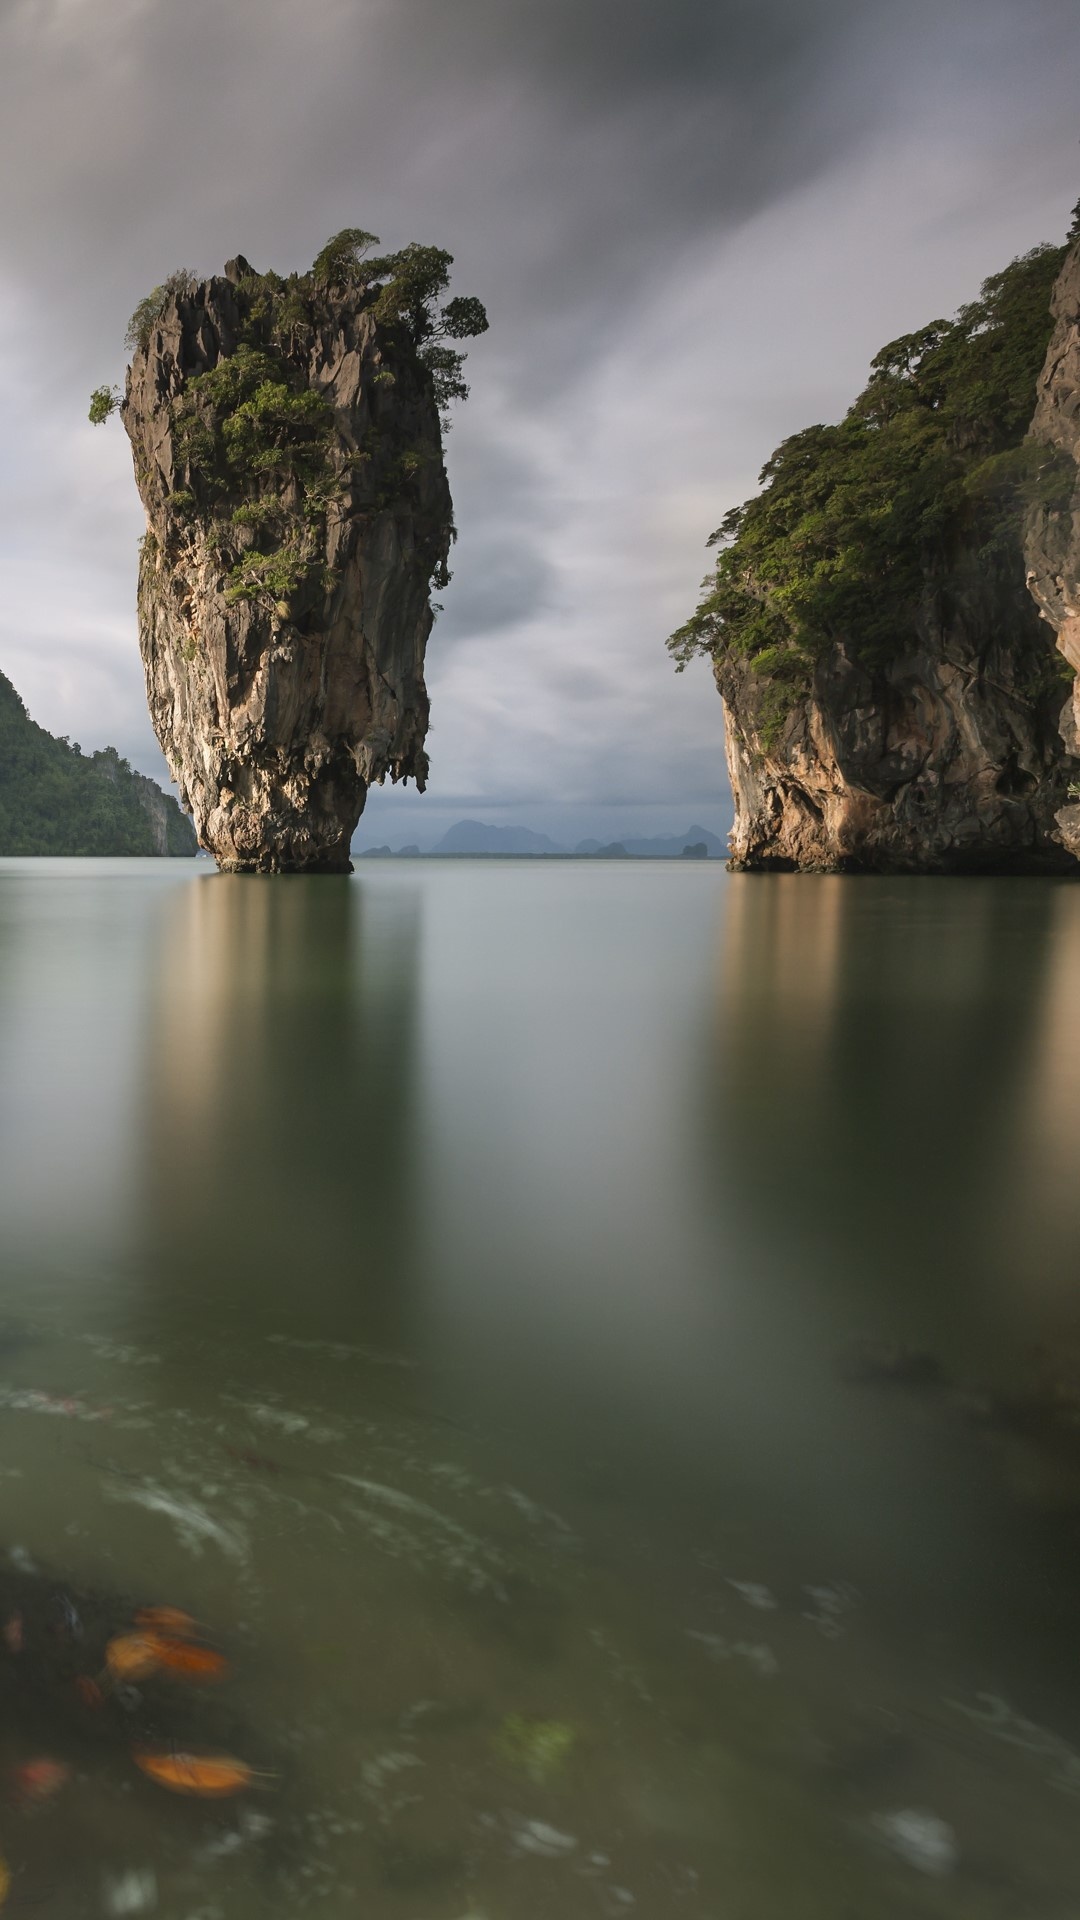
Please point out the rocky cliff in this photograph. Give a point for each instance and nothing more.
(287, 449)
(944, 760)
(1052, 541)
(890, 703)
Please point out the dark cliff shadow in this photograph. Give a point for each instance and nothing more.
(278, 1106)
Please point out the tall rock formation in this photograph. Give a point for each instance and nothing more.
(1052, 541)
(287, 449)
(890, 703)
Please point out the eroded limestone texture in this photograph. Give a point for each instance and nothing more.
(291, 544)
(1053, 528)
(947, 760)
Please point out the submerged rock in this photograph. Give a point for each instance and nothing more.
(287, 449)
(1053, 529)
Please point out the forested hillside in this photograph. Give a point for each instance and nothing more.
(54, 799)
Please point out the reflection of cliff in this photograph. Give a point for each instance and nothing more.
(880, 1052)
(279, 1091)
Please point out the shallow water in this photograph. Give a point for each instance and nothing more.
(598, 1346)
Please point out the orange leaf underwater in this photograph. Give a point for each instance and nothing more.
(132, 1655)
(211, 1775)
(167, 1620)
(184, 1657)
(40, 1779)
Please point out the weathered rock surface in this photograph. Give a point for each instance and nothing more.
(278, 707)
(1052, 541)
(946, 760)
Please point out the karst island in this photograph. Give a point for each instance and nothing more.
(287, 442)
(881, 618)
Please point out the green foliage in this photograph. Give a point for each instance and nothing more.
(103, 402)
(256, 513)
(273, 576)
(341, 262)
(249, 422)
(260, 468)
(278, 431)
(149, 311)
(54, 799)
(538, 1748)
(921, 487)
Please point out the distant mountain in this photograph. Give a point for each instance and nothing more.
(472, 836)
(663, 847)
(55, 799)
(476, 838)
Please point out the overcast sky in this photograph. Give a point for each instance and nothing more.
(692, 223)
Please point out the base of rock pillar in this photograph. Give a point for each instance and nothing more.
(267, 865)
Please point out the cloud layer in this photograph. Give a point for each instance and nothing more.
(692, 225)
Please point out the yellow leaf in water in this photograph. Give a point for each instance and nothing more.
(185, 1657)
(131, 1656)
(211, 1775)
(5, 1881)
(166, 1620)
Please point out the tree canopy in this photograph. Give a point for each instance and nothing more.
(405, 288)
(925, 479)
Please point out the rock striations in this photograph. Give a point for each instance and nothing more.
(1053, 528)
(940, 761)
(287, 448)
(890, 702)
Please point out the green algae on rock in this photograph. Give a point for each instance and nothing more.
(286, 435)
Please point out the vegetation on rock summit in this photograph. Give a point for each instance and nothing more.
(917, 495)
(261, 468)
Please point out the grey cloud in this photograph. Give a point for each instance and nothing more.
(500, 580)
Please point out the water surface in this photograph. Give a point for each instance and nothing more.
(598, 1346)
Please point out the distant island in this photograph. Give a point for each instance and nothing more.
(55, 799)
(474, 839)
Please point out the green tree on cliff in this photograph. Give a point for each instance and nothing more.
(927, 473)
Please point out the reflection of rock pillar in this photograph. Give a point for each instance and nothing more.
(780, 956)
(279, 1086)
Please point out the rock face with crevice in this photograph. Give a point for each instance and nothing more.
(284, 580)
(945, 760)
(1052, 542)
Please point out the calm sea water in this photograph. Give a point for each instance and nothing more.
(596, 1346)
